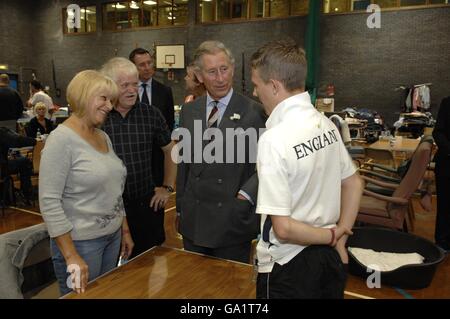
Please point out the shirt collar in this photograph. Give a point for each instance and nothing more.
(301, 100)
(149, 82)
(223, 102)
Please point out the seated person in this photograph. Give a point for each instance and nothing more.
(17, 164)
(39, 123)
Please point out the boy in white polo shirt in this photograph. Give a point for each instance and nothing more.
(308, 192)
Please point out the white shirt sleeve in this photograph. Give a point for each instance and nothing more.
(347, 166)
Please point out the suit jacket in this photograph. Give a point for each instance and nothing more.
(210, 214)
(162, 99)
(441, 135)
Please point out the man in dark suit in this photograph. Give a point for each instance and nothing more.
(441, 134)
(154, 93)
(216, 182)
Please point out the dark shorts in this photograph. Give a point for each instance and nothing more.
(316, 272)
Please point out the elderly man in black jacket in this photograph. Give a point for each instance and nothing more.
(17, 164)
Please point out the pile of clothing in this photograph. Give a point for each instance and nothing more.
(414, 123)
(375, 123)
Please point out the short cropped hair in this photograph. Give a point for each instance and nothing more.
(37, 85)
(211, 47)
(84, 85)
(138, 51)
(115, 67)
(281, 60)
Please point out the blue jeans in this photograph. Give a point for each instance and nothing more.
(100, 254)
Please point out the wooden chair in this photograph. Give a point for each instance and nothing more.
(391, 211)
(379, 156)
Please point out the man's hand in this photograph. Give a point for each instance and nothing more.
(339, 232)
(239, 196)
(342, 251)
(159, 200)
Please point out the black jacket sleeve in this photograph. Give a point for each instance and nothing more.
(441, 130)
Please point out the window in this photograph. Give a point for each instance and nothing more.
(223, 10)
(336, 6)
(405, 3)
(88, 20)
(386, 3)
(144, 13)
(339, 6)
(358, 5)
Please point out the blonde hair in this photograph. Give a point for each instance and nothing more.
(39, 105)
(84, 85)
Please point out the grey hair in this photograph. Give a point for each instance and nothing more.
(211, 47)
(118, 66)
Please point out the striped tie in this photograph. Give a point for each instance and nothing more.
(213, 117)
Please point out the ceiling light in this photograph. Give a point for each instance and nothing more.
(150, 2)
(120, 6)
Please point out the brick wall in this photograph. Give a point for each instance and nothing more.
(365, 65)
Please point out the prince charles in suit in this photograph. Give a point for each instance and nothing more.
(217, 182)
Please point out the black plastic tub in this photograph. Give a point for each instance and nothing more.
(381, 239)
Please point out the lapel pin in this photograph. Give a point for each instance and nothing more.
(235, 117)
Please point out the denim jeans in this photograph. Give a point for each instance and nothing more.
(100, 254)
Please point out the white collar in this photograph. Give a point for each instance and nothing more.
(149, 82)
(301, 100)
(222, 101)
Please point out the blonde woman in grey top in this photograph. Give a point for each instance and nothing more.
(80, 187)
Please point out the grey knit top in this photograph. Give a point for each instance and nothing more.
(80, 188)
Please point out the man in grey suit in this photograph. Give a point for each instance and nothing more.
(215, 198)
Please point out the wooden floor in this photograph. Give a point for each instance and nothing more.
(356, 287)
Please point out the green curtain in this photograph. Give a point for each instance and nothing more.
(312, 41)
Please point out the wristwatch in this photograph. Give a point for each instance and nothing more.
(169, 188)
